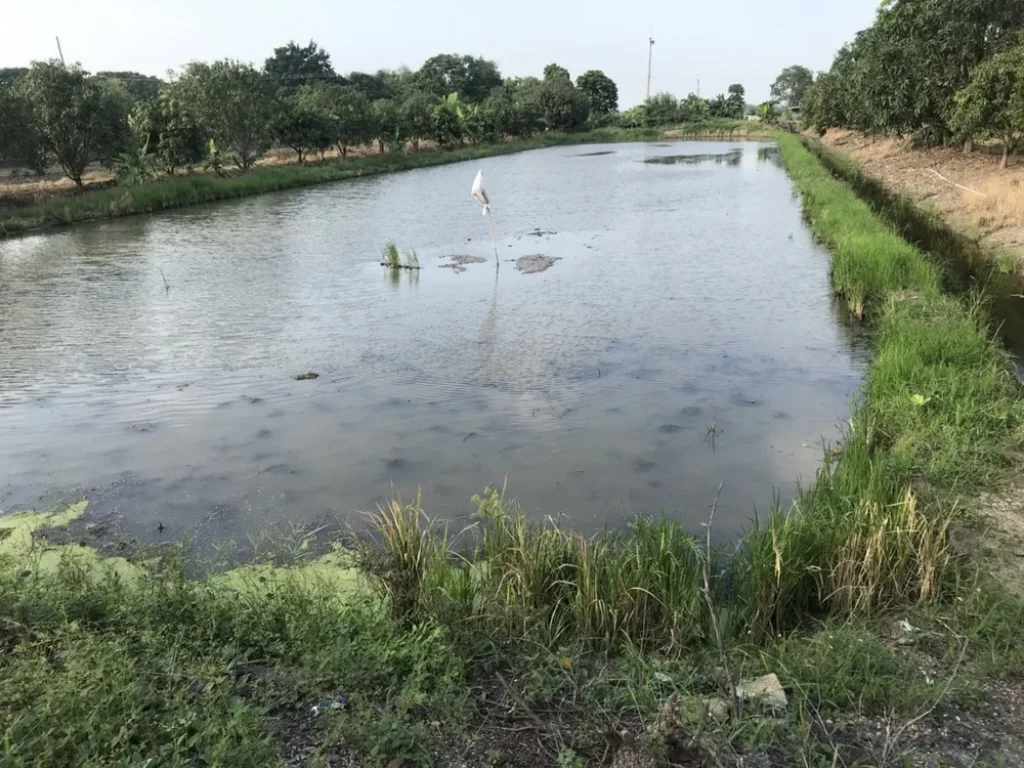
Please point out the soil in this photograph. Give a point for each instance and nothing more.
(971, 192)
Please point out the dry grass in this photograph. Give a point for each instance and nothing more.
(940, 179)
(1001, 202)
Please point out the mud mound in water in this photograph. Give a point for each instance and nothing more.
(458, 262)
(537, 262)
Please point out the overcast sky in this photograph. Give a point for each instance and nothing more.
(723, 42)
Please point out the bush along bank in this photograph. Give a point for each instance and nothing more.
(518, 642)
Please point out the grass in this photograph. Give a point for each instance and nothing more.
(516, 625)
(184, 190)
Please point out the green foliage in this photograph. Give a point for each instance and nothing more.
(386, 118)
(294, 65)
(140, 87)
(416, 113)
(446, 124)
(556, 72)
(601, 92)
(791, 86)
(767, 113)
(234, 104)
(301, 124)
(662, 109)
(902, 74)
(10, 75)
(992, 105)
(471, 78)
(563, 107)
(97, 671)
(343, 111)
(385, 84)
(19, 143)
(736, 101)
(76, 119)
(173, 135)
(694, 109)
(515, 108)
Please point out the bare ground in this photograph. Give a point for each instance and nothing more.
(970, 192)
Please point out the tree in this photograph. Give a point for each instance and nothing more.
(767, 112)
(693, 109)
(141, 87)
(174, 137)
(300, 124)
(10, 75)
(471, 78)
(719, 106)
(563, 107)
(387, 123)
(600, 90)
(992, 104)
(736, 101)
(417, 117)
(662, 109)
(373, 87)
(234, 103)
(791, 85)
(293, 65)
(635, 117)
(553, 72)
(902, 74)
(75, 119)
(446, 121)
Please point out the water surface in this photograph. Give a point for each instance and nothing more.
(686, 336)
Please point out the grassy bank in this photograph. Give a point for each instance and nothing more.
(180, 191)
(518, 642)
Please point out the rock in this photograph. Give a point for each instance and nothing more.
(307, 376)
(767, 691)
(715, 708)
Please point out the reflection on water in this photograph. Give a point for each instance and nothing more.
(731, 158)
(679, 300)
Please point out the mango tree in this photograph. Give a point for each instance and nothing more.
(992, 105)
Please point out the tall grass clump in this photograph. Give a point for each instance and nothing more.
(390, 257)
(514, 578)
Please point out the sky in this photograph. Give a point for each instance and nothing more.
(719, 43)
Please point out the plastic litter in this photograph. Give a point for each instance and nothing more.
(338, 702)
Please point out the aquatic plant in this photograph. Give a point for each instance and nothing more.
(390, 257)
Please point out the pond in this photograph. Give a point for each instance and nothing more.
(683, 334)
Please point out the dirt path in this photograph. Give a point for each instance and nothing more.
(971, 192)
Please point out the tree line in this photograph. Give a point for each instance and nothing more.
(938, 70)
(214, 115)
(228, 112)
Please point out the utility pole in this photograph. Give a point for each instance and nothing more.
(650, 55)
(698, 86)
(61, 53)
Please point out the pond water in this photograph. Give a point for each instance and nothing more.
(684, 335)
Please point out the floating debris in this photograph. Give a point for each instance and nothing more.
(308, 376)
